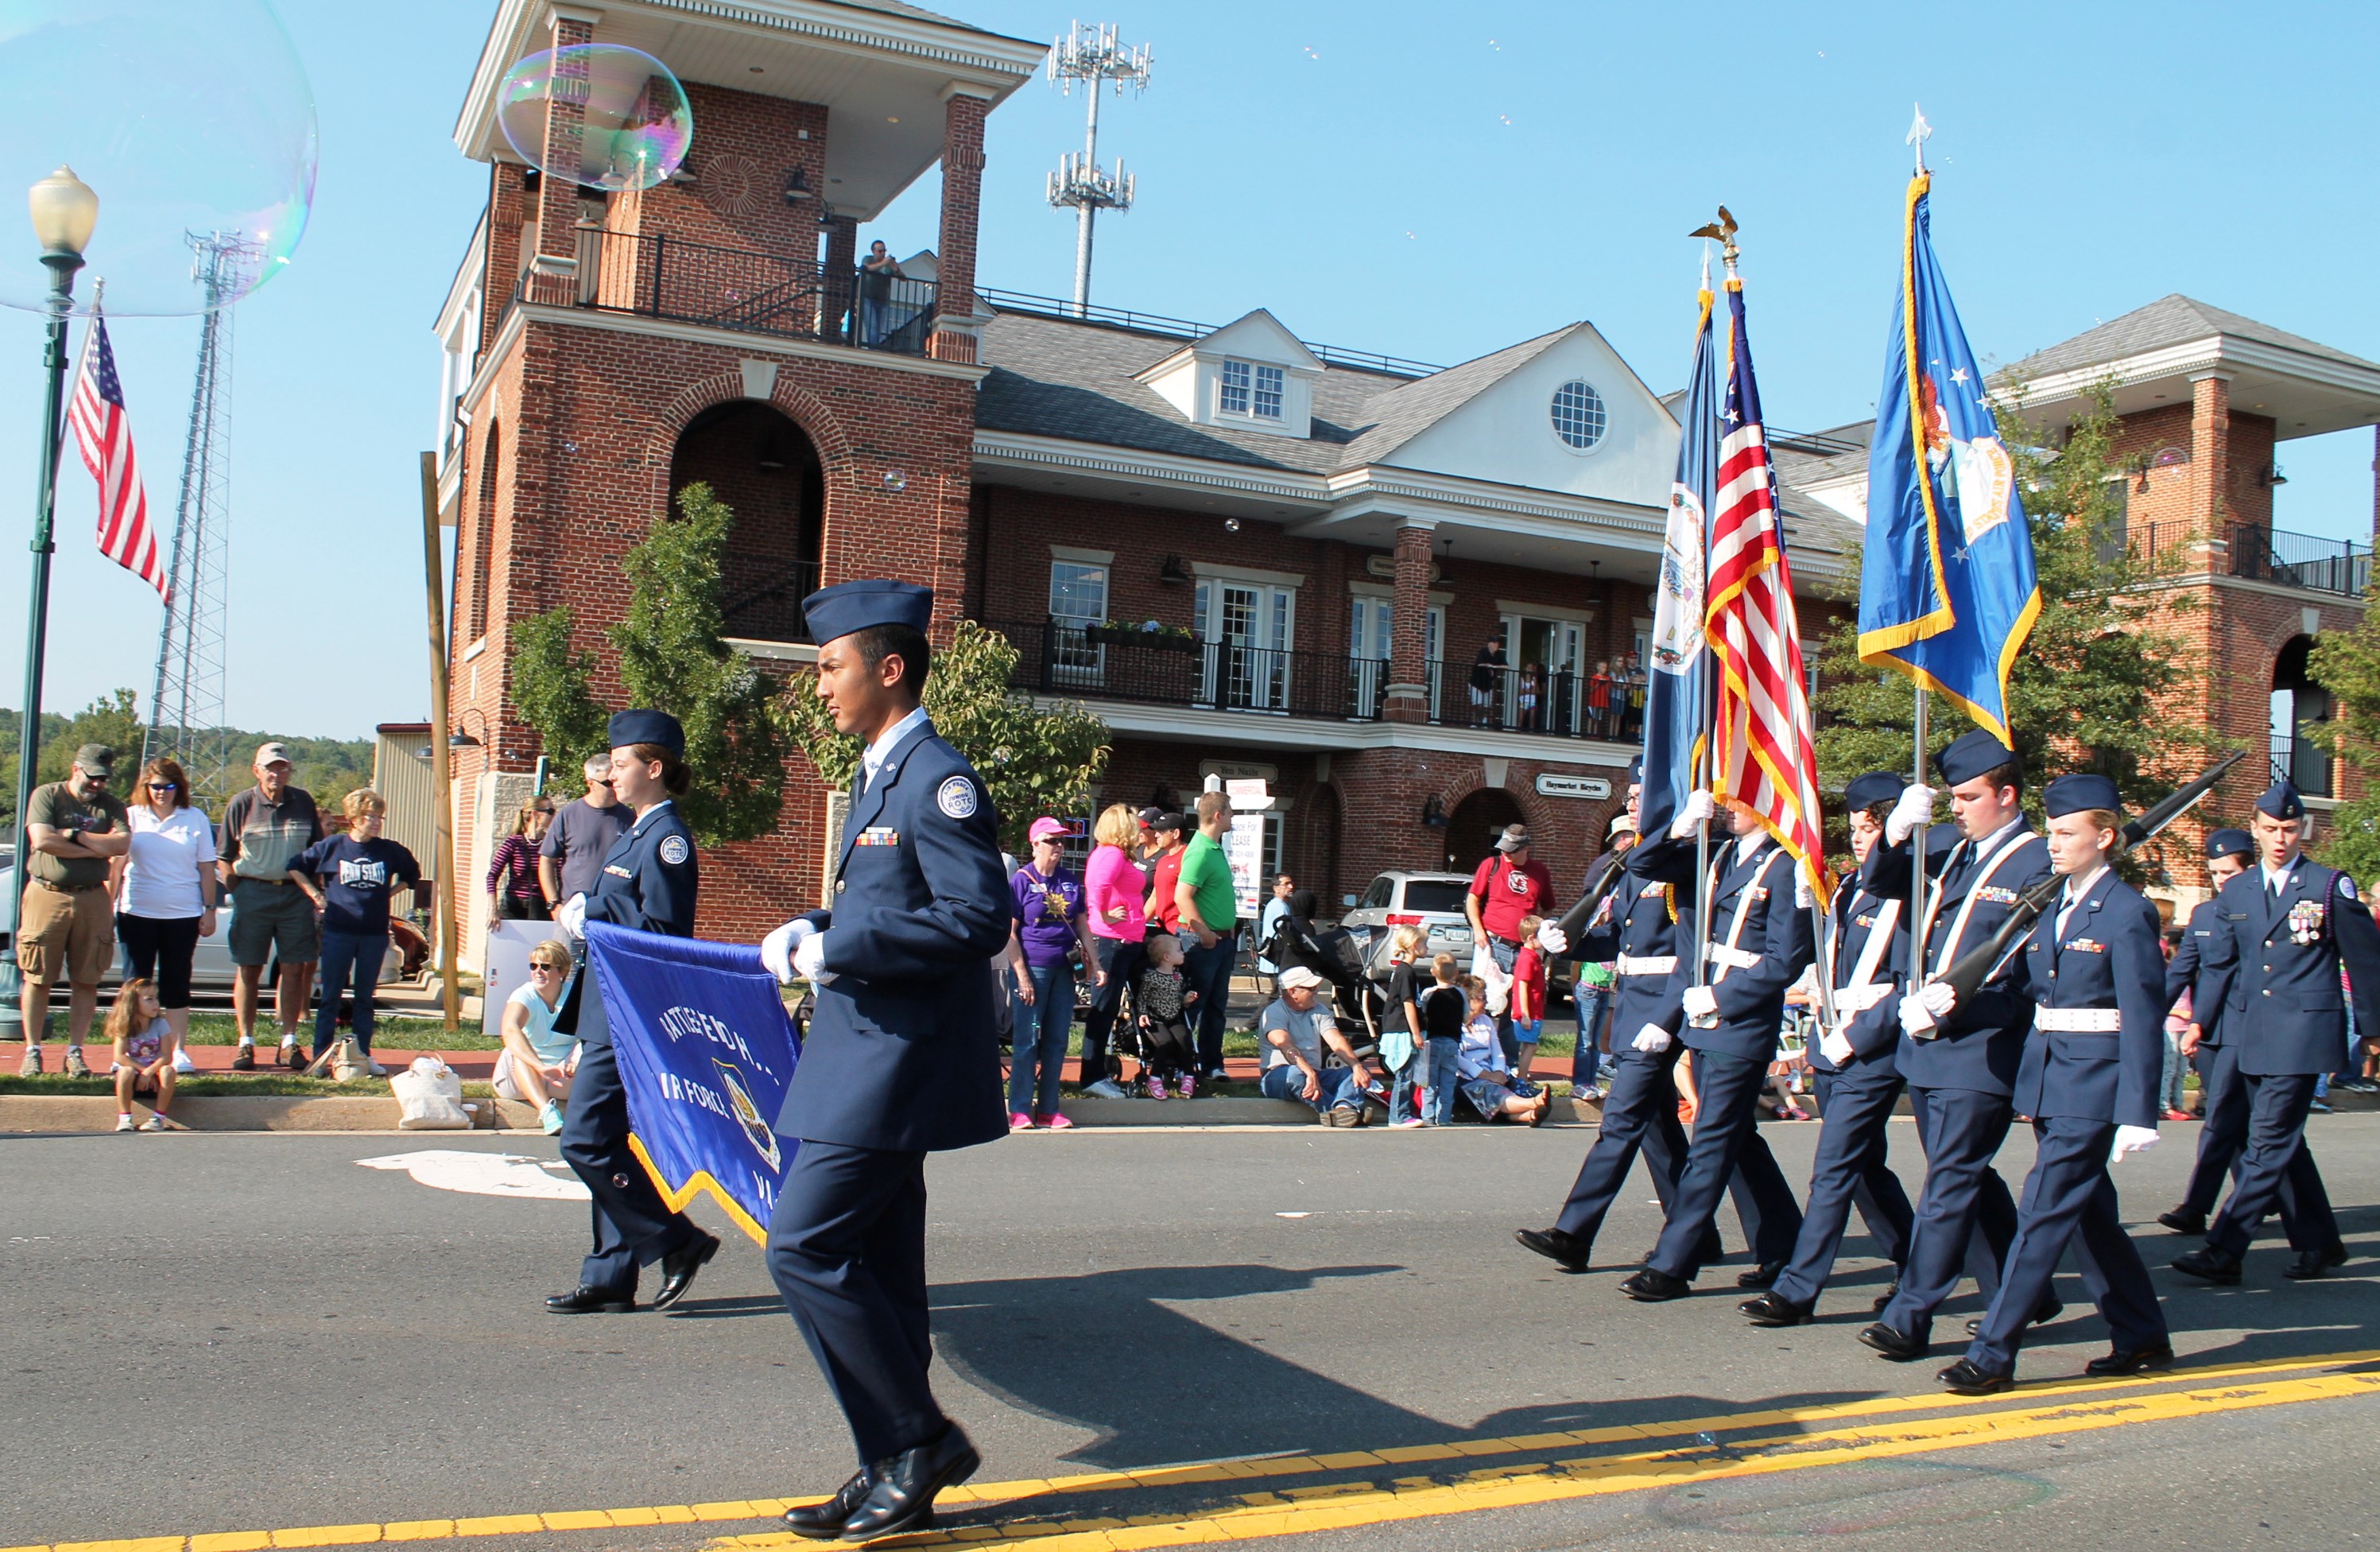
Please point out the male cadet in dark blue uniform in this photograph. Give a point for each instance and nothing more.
(648, 882)
(2285, 928)
(2096, 974)
(899, 1061)
(1760, 941)
(1961, 1065)
(1859, 1081)
(2222, 1098)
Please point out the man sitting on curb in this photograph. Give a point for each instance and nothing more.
(1293, 1030)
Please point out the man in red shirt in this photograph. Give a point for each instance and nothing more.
(1506, 887)
(1165, 872)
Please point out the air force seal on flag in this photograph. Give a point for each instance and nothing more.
(956, 796)
(674, 850)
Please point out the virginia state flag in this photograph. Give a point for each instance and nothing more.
(1677, 687)
(1947, 588)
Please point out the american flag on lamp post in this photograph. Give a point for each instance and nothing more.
(1763, 752)
(103, 432)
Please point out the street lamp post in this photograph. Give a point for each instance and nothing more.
(64, 210)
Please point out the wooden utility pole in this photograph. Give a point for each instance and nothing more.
(433, 573)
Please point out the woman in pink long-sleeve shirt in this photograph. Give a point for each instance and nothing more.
(1112, 892)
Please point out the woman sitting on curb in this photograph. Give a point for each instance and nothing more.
(536, 1064)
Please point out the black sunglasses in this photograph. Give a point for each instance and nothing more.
(164, 787)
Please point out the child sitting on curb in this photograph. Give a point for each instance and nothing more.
(145, 1055)
(1487, 1083)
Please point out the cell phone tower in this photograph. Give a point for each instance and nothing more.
(1092, 55)
(186, 708)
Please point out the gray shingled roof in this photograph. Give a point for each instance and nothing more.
(2171, 320)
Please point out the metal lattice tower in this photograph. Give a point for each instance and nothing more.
(1092, 55)
(186, 709)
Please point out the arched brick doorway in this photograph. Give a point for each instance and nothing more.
(1477, 820)
(2296, 702)
(766, 471)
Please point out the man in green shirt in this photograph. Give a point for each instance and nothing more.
(65, 926)
(1209, 908)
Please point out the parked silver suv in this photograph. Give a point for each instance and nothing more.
(1432, 901)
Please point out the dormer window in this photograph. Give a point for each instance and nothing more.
(1250, 388)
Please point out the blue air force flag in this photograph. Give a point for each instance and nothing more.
(1947, 588)
(706, 1049)
(1677, 681)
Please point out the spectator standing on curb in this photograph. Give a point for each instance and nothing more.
(1295, 1031)
(1167, 834)
(1268, 919)
(1528, 1005)
(166, 894)
(513, 872)
(570, 857)
(1445, 1006)
(349, 879)
(1208, 907)
(1047, 920)
(74, 829)
(1592, 992)
(1506, 890)
(1113, 891)
(263, 830)
(1407, 976)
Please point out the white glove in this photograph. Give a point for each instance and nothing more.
(1929, 1004)
(1915, 1018)
(1915, 807)
(810, 958)
(777, 948)
(1692, 815)
(1552, 939)
(1652, 1040)
(1701, 1002)
(2133, 1139)
(1802, 898)
(571, 915)
(1836, 1046)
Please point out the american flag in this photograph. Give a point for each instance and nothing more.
(103, 432)
(1762, 755)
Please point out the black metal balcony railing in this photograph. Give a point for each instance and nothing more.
(752, 292)
(2296, 761)
(2250, 551)
(767, 607)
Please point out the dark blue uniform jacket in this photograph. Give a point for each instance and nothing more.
(2188, 971)
(1980, 1046)
(2283, 1009)
(650, 879)
(1854, 915)
(2107, 957)
(1777, 934)
(1651, 919)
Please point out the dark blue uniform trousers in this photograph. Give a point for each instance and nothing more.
(1729, 1090)
(633, 1225)
(2224, 1137)
(1640, 1114)
(1851, 1168)
(2277, 1117)
(847, 1249)
(2069, 1192)
(1962, 1129)
(1995, 1217)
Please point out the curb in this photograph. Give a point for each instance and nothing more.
(71, 1113)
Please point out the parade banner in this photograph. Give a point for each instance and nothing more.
(706, 1049)
(1677, 680)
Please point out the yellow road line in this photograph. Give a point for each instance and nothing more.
(1255, 1468)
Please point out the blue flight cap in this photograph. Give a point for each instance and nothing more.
(1636, 771)
(648, 727)
(835, 612)
(1974, 754)
(1876, 786)
(2229, 843)
(2080, 793)
(2281, 802)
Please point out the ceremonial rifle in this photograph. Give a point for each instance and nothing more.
(1967, 975)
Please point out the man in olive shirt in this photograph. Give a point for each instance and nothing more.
(64, 923)
(263, 830)
(1209, 908)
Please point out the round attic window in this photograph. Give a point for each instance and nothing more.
(1578, 415)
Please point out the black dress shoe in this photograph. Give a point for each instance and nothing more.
(825, 1522)
(1891, 1291)
(1565, 1250)
(2210, 1266)
(2043, 1313)
(1967, 1378)
(2181, 1220)
(590, 1301)
(1763, 1276)
(2131, 1361)
(1650, 1287)
(1893, 1342)
(678, 1270)
(1774, 1308)
(902, 1498)
(2315, 1263)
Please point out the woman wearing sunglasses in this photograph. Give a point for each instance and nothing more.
(166, 899)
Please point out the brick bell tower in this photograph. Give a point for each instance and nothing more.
(604, 350)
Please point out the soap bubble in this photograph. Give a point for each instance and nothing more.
(637, 127)
(191, 119)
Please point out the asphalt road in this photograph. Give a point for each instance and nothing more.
(217, 1334)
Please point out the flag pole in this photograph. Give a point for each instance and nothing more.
(1919, 133)
(1710, 700)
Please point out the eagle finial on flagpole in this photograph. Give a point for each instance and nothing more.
(1724, 229)
(1919, 133)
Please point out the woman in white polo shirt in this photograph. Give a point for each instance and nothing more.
(165, 887)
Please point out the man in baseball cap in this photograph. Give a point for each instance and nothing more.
(263, 830)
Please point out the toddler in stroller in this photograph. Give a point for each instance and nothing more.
(1166, 1049)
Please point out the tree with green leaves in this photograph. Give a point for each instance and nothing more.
(672, 656)
(2088, 689)
(1035, 758)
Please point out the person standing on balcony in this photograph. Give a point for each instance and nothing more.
(1487, 671)
(1207, 908)
(1598, 701)
(1526, 694)
(877, 274)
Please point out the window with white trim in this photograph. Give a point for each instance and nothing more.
(1267, 395)
(1078, 599)
(1231, 393)
(1247, 389)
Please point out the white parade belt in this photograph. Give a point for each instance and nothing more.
(2078, 1020)
(1646, 964)
(1859, 999)
(1733, 959)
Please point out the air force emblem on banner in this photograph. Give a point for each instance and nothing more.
(956, 796)
(674, 850)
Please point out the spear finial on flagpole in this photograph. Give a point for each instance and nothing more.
(1919, 133)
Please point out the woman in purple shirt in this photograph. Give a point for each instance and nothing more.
(1047, 920)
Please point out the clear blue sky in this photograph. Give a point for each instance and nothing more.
(1394, 176)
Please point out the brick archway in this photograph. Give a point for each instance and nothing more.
(1474, 823)
(787, 396)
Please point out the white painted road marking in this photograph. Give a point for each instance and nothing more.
(486, 1174)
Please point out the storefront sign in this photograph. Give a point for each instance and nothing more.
(1552, 786)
